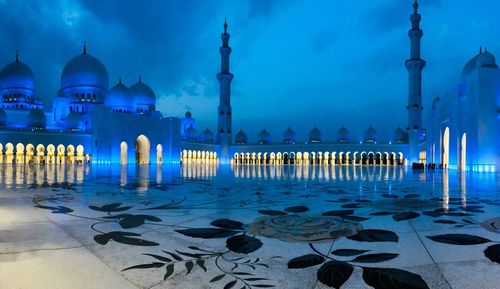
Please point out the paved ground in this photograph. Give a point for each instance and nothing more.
(251, 227)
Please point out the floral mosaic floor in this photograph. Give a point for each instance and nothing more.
(248, 227)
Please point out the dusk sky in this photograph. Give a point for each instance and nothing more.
(297, 63)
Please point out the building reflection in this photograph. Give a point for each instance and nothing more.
(319, 173)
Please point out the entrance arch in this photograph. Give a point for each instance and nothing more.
(446, 148)
(463, 152)
(123, 153)
(159, 154)
(142, 148)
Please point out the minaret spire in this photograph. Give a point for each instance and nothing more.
(224, 110)
(415, 64)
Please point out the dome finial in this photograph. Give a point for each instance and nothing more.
(415, 6)
(120, 80)
(480, 49)
(140, 78)
(85, 47)
(17, 55)
(225, 25)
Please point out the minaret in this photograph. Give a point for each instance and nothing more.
(224, 77)
(414, 65)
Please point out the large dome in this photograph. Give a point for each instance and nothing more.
(206, 136)
(84, 70)
(143, 94)
(241, 137)
(264, 137)
(315, 135)
(119, 97)
(37, 119)
(371, 135)
(342, 135)
(17, 75)
(289, 136)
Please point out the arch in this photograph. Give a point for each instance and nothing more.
(9, 153)
(60, 154)
(347, 157)
(19, 153)
(51, 154)
(363, 158)
(123, 153)
(70, 154)
(446, 148)
(463, 152)
(386, 158)
(341, 158)
(159, 154)
(326, 158)
(142, 149)
(393, 158)
(401, 158)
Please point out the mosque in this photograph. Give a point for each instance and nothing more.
(89, 122)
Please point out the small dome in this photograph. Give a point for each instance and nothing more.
(17, 75)
(84, 70)
(342, 135)
(315, 135)
(486, 59)
(119, 97)
(187, 114)
(241, 137)
(289, 136)
(190, 133)
(264, 137)
(483, 59)
(74, 121)
(370, 135)
(399, 136)
(143, 94)
(206, 136)
(37, 119)
(3, 118)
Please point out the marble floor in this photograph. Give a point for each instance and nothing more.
(204, 226)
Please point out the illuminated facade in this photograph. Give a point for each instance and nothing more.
(88, 122)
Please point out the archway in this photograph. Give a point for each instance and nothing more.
(70, 154)
(123, 153)
(159, 154)
(142, 148)
(463, 152)
(60, 154)
(19, 153)
(79, 154)
(30, 153)
(446, 148)
(9, 153)
(40, 154)
(51, 154)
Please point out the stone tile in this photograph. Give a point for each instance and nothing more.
(481, 274)
(58, 269)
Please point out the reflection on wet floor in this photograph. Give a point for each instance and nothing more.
(253, 226)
